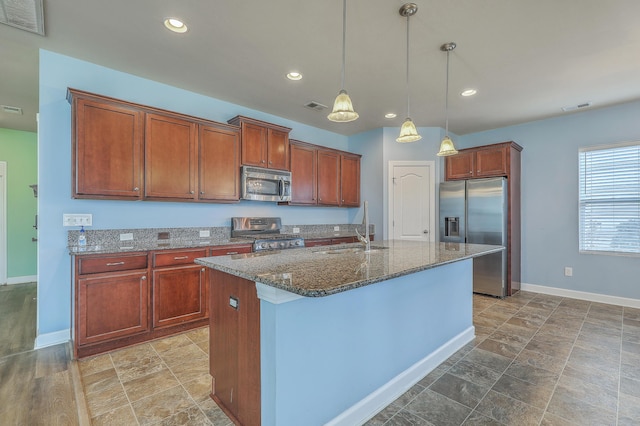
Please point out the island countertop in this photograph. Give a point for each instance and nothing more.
(323, 271)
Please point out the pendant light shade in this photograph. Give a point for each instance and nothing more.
(342, 107)
(408, 131)
(446, 146)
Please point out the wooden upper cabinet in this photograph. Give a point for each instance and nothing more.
(350, 180)
(107, 148)
(304, 188)
(328, 177)
(219, 156)
(263, 144)
(170, 157)
(480, 162)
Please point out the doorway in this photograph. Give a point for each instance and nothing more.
(412, 200)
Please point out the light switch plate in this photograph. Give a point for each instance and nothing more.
(204, 233)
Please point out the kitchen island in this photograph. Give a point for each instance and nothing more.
(331, 336)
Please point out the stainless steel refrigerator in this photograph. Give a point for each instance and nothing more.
(475, 211)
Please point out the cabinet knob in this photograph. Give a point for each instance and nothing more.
(191, 192)
(143, 278)
(202, 270)
(201, 192)
(270, 162)
(136, 189)
(262, 161)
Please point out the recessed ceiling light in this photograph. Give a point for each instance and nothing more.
(469, 92)
(294, 75)
(175, 25)
(390, 115)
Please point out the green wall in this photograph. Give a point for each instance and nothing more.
(19, 150)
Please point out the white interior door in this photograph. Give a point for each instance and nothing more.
(3, 222)
(411, 200)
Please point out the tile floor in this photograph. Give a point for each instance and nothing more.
(536, 360)
(165, 382)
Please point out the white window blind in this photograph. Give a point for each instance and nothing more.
(610, 199)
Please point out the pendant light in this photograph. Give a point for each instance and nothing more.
(446, 146)
(408, 131)
(342, 107)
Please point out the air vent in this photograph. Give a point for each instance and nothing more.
(26, 15)
(11, 109)
(575, 107)
(316, 106)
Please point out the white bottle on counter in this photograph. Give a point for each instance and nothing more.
(82, 239)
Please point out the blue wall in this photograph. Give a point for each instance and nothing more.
(58, 72)
(550, 198)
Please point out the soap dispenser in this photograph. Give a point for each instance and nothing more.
(82, 239)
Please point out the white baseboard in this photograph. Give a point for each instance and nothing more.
(583, 295)
(366, 408)
(22, 280)
(50, 339)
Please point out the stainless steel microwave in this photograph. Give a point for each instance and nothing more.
(265, 184)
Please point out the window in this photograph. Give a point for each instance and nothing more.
(610, 199)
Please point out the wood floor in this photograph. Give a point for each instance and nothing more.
(37, 387)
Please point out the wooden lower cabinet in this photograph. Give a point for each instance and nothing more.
(234, 347)
(179, 295)
(112, 305)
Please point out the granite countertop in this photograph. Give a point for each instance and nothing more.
(134, 246)
(322, 271)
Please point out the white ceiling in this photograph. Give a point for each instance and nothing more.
(526, 58)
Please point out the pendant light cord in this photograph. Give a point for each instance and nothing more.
(344, 37)
(408, 92)
(446, 100)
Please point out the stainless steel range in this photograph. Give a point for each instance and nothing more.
(265, 232)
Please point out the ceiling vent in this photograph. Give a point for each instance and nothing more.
(316, 106)
(576, 107)
(11, 109)
(27, 15)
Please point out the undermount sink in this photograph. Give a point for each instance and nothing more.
(349, 250)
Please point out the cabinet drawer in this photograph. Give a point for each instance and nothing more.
(181, 257)
(232, 249)
(344, 240)
(317, 242)
(95, 265)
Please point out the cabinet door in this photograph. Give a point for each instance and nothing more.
(278, 149)
(179, 295)
(219, 164)
(107, 150)
(110, 306)
(303, 174)
(170, 157)
(491, 162)
(254, 145)
(459, 166)
(328, 178)
(350, 180)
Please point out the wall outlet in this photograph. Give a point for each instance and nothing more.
(126, 237)
(77, 219)
(296, 230)
(336, 228)
(204, 233)
(568, 271)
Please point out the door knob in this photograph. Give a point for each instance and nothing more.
(426, 231)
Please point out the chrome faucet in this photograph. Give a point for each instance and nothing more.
(364, 239)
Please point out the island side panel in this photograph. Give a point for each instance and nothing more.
(234, 347)
(321, 356)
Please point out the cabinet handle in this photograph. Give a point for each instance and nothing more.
(232, 252)
(180, 257)
(115, 263)
(136, 189)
